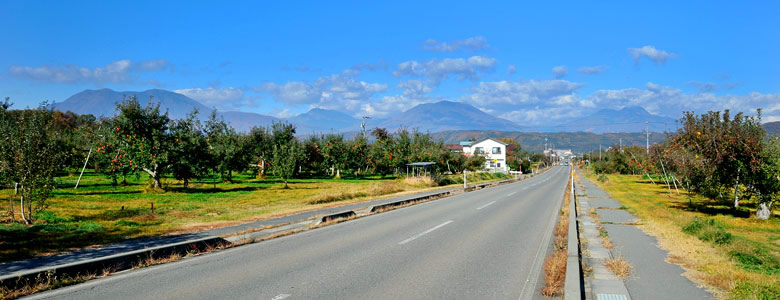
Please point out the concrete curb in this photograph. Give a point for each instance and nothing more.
(573, 282)
(114, 263)
(126, 260)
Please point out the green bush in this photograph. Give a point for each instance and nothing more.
(603, 178)
(708, 231)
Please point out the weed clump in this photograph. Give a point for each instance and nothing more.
(708, 231)
(603, 178)
(759, 261)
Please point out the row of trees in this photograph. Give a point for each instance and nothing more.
(39, 144)
(717, 155)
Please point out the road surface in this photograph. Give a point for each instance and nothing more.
(486, 244)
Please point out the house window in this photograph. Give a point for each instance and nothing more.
(492, 164)
(496, 150)
(479, 150)
(498, 165)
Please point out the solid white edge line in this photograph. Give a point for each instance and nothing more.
(545, 243)
(416, 236)
(486, 205)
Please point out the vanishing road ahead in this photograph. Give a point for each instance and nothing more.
(487, 244)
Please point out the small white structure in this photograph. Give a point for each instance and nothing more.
(493, 150)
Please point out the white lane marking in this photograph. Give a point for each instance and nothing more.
(486, 205)
(512, 193)
(280, 296)
(416, 236)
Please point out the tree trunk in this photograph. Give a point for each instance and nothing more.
(21, 204)
(155, 176)
(736, 191)
(764, 210)
(186, 182)
(11, 208)
(338, 173)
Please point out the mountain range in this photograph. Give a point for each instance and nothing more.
(429, 117)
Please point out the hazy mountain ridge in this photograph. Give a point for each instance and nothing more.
(429, 117)
(448, 115)
(772, 128)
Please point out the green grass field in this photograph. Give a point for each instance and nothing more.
(726, 249)
(98, 213)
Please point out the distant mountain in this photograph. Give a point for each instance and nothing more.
(244, 121)
(448, 115)
(103, 102)
(319, 120)
(628, 119)
(772, 128)
(535, 141)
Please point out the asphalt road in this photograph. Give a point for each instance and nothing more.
(487, 244)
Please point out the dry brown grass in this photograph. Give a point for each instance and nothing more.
(555, 263)
(618, 266)
(43, 283)
(554, 273)
(420, 181)
(607, 243)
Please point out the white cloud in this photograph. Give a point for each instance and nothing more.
(436, 70)
(704, 87)
(592, 70)
(472, 43)
(120, 71)
(531, 102)
(221, 98)
(657, 56)
(153, 65)
(342, 92)
(560, 71)
(671, 102)
(511, 69)
(415, 92)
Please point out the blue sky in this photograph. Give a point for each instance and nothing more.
(530, 63)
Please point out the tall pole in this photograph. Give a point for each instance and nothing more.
(647, 139)
(599, 152)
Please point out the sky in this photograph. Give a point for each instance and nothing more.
(531, 63)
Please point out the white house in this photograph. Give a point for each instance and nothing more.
(493, 150)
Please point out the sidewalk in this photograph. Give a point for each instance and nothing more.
(651, 277)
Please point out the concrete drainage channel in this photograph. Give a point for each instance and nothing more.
(127, 260)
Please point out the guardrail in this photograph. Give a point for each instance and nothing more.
(573, 284)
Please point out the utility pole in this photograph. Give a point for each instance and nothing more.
(647, 138)
(599, 152)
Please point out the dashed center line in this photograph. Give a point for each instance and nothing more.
(280, 296)
(512, 193)
(416, 236)
(486, 205)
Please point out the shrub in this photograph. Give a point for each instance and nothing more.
(50, 217)
(603, 178)
(708, 231)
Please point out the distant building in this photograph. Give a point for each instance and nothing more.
(454, 148)
(493, 150)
